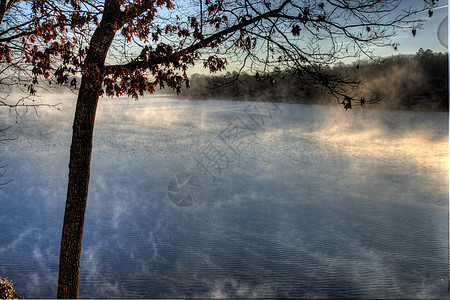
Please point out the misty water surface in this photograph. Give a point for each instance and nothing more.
(296, 201)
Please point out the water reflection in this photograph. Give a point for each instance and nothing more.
(321, 203)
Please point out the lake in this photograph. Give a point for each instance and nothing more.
(232, 199)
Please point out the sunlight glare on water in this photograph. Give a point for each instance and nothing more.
(318, 202)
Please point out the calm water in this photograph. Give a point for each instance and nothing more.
(281, 201)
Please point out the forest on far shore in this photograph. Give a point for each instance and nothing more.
(406, 82)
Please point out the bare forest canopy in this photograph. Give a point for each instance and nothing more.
(411, 82)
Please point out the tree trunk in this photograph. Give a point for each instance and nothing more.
(80, 153)
(77, 192)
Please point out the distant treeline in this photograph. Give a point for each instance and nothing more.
(412, 82)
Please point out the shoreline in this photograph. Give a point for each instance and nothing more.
(376, 106)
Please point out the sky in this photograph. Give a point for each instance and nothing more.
(427, 37)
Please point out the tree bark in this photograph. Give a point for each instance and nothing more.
(80, 153)
(77, 192)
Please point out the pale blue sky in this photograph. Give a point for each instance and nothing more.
(426, 38)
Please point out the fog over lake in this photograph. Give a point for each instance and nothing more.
(232, 199)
